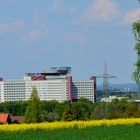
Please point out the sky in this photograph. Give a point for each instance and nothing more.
(83, 34)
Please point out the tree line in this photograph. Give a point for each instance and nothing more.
(38, 111)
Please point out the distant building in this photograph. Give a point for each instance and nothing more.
(5, 119)
(135, 101)
(17, 119)
(110, 98)
(8, 119)
(53, 84)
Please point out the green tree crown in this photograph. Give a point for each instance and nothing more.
(34, 112)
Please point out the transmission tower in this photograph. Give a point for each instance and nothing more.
(105, 77)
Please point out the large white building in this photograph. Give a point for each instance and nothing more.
(54, 84)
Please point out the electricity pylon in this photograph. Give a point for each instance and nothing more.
(105, 77)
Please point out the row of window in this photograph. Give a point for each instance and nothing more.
(11, 99)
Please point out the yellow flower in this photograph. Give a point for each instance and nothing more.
(73, 124)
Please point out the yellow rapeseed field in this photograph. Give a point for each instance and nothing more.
(73, 124)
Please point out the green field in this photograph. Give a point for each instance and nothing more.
(96, 133)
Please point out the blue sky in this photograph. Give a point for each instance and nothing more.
(83, 34)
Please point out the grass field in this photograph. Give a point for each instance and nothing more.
(131, 132)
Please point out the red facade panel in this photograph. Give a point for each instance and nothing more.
(63, 72)
(94, 85)
(69, 79)
(35, 78)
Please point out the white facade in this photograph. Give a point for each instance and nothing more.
(48, 89)
(16, 90)
(1, 92)
(58, 88)
(13, 90)
(84, 89)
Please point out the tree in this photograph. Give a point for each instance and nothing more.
(60, 108)
(99, 111)
(49, 106)
(133, 110)
(81, 109)
(136, 73)
(52, 116)
(78, 113)
(67, 114)
(34, 112)
(115, 109)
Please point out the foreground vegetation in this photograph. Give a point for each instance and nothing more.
(117, 129)
(68, 125)
(80, 110)
(98, 133)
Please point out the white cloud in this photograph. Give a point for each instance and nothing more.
(101, 10)
(57, 5)
(77, 37)
(6, 27)
(19, 24)
(74, 37)
(72, 10)
(132, 16)
(33, 35)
